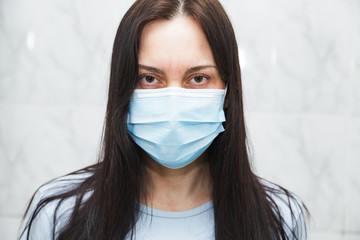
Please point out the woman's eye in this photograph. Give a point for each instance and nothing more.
(149, 79)
(198, 80)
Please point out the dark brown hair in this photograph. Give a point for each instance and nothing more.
(244, 208)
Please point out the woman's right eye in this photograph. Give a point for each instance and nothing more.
(149, 79)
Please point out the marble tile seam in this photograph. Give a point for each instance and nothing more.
(7, 104)
(11, 215)
(340, 233)
(305, 115)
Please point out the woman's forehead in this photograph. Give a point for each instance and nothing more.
(176, 42)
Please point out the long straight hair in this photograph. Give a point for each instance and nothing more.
(243, 206)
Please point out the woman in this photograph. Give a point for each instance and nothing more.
(174, 163)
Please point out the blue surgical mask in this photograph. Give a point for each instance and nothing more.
(174, 126)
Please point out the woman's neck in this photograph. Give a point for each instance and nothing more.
(178, 189)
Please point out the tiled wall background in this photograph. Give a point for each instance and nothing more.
(301, 72)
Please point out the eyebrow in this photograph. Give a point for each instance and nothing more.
(198, 68)
(188, 71)
(151, 69)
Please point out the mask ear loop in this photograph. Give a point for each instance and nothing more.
(226, 102)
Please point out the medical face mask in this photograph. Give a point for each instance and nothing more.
(174, 126)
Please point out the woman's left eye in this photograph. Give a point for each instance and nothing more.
(198, 80)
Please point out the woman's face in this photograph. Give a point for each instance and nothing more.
(176, 53)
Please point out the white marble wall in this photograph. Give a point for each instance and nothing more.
(301, 74)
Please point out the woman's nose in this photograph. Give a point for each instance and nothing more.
(174, 82)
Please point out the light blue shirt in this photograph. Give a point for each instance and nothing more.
(153, 224)
(194, 224)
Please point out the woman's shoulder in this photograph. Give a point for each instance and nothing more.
(62, 184)
(47, 211)
(289, 206)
